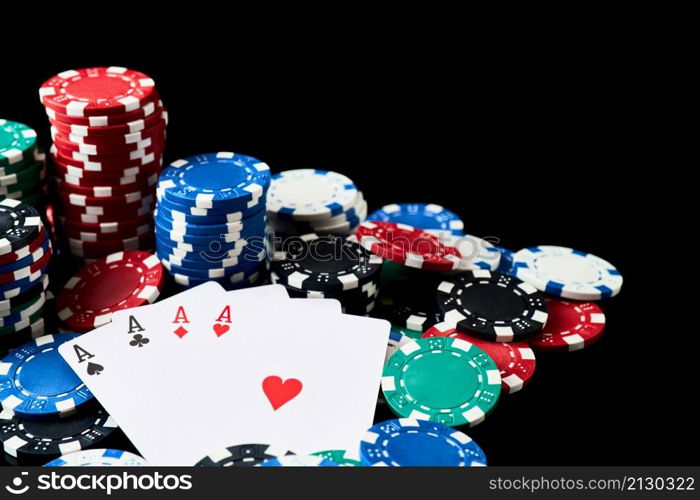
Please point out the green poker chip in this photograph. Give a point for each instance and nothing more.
(341, 457)
(30, 174)
(17, 143)
(441, 379)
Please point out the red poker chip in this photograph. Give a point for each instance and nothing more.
(111, 176)
(83, 218)
(26, 272)
(123, 233)
(104, 121)
(98, 91)
(118, 281)
(119, 200)
(570, 326)
(112, 132)
(93, 250)
(36, 243)
(117, 227)
(408, 245)
(143, 184)
(105, 164)
(127, 183)
(515, 360)
(64, 144)
(116, 141)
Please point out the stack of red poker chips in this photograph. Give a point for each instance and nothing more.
(108, 127)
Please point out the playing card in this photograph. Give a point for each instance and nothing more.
(304, 382)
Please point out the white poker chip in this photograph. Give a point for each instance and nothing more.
(98, 458)
(567, 273)
(307, 194)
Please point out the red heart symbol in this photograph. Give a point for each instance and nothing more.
(220, 329)
(278, 392)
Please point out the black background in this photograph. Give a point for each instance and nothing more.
(530, 147)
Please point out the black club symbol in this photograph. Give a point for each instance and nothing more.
(139, 340)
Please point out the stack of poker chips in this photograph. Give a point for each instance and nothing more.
(46, 409)
(210, 219)
(108, 130)
(314, 201)
(25, 252)
(22, 164)
(328, 266)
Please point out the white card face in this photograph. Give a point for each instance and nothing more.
(301, 381)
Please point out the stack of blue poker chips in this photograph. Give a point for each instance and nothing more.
(210, 219)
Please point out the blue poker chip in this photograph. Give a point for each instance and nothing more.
(425, 216)
(35, 381)
(255, 228)
(406, 442)
(216, 180)
(233, 282)
(200, 229)
(246, 264)
(214, 246)
(184, 215)
(14, 288)
(28, 260)
(298, 461)
(217, 211)
(206, 261)
(506, 264)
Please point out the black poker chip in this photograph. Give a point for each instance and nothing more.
(324, 263)
(20, 224)
(243, 455)
(35, 442)
(492, 305)
(412, 303)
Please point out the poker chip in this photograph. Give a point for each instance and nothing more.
(224, 179)
(97, 91)
(17, 144)
(36, 382)
(20, 224)
(242, 455)
(506, 263)
(397, 339)
(28, 271)
(325, 263)
(408, 442)
(94, 250)
(29, 259)
(108, 191)
(241, 279)
(118, 281)
(250, 229)
(28, 331)
(307, 194)
(515, 360)
(408, 246)
(97, 123)
(298, 461)
(105, 163)
(248, 263)
(570, 326)
(29, 311)
(167, 223)
(567, 273)
(425, 216)
(173, 213)
(341, 457)
(154, 128)
(98, 458)
(328, 266)
(21, 298)
(493, 306)
(445, 380)
(33, 442)
(410, 305)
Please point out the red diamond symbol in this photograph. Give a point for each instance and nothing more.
(181, 332)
